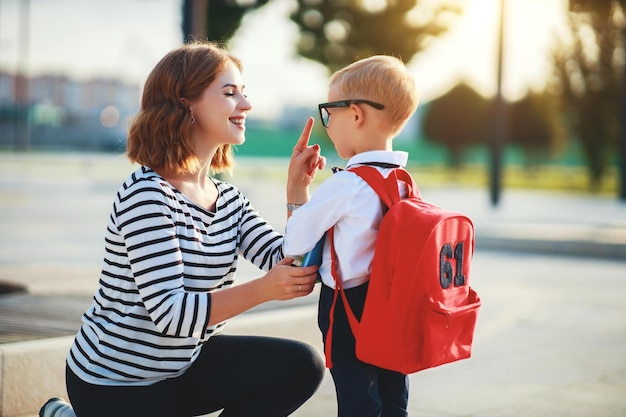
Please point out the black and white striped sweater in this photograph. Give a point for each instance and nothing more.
(164, 255)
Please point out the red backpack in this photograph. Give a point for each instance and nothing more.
(420, 311)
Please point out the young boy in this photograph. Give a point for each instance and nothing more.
(370, 101)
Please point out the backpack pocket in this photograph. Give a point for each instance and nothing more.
(449, 330)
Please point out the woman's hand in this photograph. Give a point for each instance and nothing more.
(284, 282)
(305, 162)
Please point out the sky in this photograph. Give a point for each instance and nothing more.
(126, 38)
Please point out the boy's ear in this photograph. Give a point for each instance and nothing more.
(357, 115)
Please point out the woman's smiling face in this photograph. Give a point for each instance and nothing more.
(220, 112)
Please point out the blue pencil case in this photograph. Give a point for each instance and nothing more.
(314, 256)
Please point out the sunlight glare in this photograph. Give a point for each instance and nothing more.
(373, 6)
(336, 30)
(468, 51)
(110, 116)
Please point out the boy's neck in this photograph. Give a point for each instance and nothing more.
(375, 144)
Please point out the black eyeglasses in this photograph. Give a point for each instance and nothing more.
(325, 116)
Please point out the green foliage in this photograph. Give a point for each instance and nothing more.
(589, 79)
(336, 33)
(457, 119)
(530, 126)
(222, 19)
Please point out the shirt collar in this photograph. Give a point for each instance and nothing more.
(390, 157)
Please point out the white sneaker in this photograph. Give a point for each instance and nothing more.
(56, 407)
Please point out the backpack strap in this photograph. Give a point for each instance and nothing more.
(387, 188)
(352, 320)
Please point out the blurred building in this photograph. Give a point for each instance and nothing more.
(57, 112)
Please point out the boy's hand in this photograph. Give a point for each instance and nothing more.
(305, 162)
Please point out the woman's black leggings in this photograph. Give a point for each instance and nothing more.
(243, 375)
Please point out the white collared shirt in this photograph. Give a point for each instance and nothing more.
(346, 202)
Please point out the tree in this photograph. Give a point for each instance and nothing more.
(217, 20)
(589, 77)
(336, 33)
(457, 119)
(530, 126)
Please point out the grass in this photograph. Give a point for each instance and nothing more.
(547, 177)
(428, 162)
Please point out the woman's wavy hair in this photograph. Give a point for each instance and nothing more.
(160, 134)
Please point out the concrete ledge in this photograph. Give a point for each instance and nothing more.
(30, 373)
(578, 248)
(550, 239)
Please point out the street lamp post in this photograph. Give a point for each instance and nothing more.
(622, 138)
(498, 120)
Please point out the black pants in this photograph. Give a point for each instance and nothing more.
(363, 390)
(243, 375)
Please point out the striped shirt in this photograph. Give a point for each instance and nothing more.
(164, 255)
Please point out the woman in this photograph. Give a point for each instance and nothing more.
(152, 342)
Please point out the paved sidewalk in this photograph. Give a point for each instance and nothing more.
(551, 333)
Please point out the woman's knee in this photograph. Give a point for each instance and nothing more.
(308, 364)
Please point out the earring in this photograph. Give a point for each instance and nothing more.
(193, 120)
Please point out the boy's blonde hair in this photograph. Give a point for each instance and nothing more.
(382, 79)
